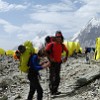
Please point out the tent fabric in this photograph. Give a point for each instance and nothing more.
(97, 50)
(10, 52)
(77, 46)
(36, 49)
(2, 51)
(72, 47)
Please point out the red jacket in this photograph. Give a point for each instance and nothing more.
(56, 51)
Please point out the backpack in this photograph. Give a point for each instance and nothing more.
(24, 58)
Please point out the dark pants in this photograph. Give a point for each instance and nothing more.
(34, 86)
(54, 77)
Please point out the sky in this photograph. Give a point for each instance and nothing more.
(22, 20)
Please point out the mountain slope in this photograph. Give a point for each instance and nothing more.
(87, 36)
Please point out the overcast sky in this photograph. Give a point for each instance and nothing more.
(22, 20)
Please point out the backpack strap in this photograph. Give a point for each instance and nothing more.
(29, 61)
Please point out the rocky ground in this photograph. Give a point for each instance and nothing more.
(79, 80)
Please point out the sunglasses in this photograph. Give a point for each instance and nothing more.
(58, 36)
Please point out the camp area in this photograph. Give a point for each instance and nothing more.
(79, 76)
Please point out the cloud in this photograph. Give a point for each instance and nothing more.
(66, 15)
(8, 43)
(4, 6)
(61, 16)
(3, 22)
(53, 11)
(57, 15)
(30, 31)
(7, 27)
(69, 16)
(90, 9)
(56, 7)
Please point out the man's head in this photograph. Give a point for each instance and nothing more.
(59, 36)
(21, 48)
(47, 39)
(41, 52)
(58, 33)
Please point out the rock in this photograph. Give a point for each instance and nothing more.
(81, 81)
(4, 97)
(75, 73)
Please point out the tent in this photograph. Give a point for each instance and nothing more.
(10, 52)
(2, 51)
(97, 49)
(77, 46)
(72, 47)
(36, 49)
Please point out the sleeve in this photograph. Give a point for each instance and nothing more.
(65, 48)
(35, 63)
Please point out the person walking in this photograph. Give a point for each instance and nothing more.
(54, 51)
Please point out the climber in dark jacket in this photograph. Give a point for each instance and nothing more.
(33, 75)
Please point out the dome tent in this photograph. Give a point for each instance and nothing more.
(72, 46)
(10, 52)
(2, 51)
(77, 46)
(97, 50)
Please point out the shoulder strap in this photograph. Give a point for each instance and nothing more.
(52, 47)
(29, 61)
(50, 50)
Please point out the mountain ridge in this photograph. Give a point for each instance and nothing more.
(88, 34)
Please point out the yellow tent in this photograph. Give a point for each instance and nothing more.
(36, 49)
(97, 51)
(70, 46)
(97, 42)
(80, 49)
(10, 52)
(2, 51)
(77, 46)
(64, 53)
